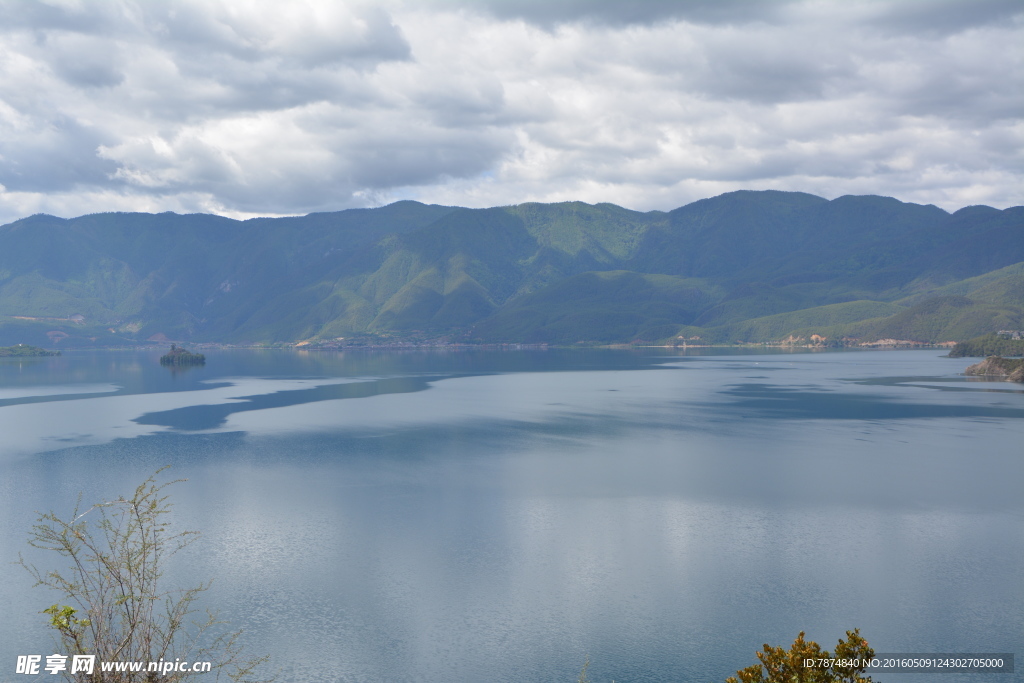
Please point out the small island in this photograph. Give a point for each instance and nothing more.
(179, 356)
(1008, 369)
(24, 351)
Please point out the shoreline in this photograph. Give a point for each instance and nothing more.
(293, 346)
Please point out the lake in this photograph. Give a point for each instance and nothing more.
(390, 516)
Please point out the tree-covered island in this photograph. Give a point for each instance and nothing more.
(25, 351)
(179, 356)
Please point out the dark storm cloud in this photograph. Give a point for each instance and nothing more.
(905, 16)
(80, 61)
(59, 154)
(548, 12)
(47, 16)
(945, 16)
(760, 68)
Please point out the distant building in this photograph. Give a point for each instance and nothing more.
(1011, 334)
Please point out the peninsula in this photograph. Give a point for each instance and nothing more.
(1009, 369)
(23, 351)
(1005, 343)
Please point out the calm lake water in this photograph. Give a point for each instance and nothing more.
(500, 515)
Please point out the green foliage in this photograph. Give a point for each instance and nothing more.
(22, 350)
(607, 233)
(939, 319)
(1000, 288)
(584, 678)
(179, 356)
(116, 553)
(583, 672)
(824, 320)
(599, 307)
(779, 665)
(988, 345)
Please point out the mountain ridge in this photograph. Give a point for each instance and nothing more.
(723, 268)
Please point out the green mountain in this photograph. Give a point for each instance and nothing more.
(752, 266)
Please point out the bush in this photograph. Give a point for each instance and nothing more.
(120, 610)
(779, 665)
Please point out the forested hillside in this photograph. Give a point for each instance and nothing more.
(744, 266)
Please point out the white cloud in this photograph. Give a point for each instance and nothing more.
(247, 107)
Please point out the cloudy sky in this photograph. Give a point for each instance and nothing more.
(261, 107)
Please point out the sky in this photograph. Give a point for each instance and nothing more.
(263, 108)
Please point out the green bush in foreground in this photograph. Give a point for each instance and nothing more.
(779, 665)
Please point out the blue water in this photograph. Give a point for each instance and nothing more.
(501, 515)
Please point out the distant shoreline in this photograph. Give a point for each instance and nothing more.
(156, 346)
(25, 351)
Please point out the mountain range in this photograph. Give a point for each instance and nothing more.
(743, 266)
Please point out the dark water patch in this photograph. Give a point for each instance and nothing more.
(119, 392)
(55, 397)
(200, 417)
(980, 384)
(784, 402)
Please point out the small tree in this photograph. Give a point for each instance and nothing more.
(120, 611)
(779, 665)
(583, 672)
